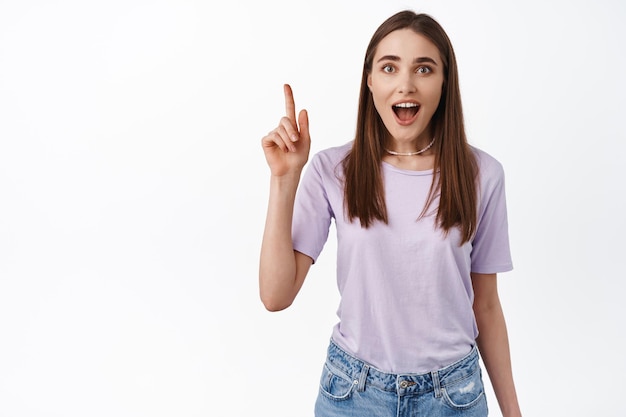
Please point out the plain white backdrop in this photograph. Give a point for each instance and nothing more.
(133, 191)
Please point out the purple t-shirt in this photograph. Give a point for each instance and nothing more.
(406, 291)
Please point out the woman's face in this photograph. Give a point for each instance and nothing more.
(406, 85)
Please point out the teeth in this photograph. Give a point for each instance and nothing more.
(406, 105)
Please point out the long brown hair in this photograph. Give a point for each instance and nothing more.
(454, 160)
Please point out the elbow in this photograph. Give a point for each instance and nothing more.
(277, 290)
(273, 305)
(273, 301)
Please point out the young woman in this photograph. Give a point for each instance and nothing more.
(422, 232)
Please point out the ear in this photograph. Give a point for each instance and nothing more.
(369, 82)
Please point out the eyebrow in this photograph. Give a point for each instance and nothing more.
(418, 60)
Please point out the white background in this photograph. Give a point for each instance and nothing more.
(133, 191)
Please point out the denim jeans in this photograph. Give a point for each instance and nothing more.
(350, 387)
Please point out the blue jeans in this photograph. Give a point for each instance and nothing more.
(350, 387)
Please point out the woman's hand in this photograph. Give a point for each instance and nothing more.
(287, 147)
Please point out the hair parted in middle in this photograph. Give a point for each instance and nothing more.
(455, 162)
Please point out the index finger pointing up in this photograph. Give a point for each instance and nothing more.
(290, 105)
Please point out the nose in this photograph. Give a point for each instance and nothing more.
(406, 83)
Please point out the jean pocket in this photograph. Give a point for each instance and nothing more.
(465, 393)
(335, 385)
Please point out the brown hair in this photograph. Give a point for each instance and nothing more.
(454, 159)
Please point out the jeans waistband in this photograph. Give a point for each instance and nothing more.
(364, 374)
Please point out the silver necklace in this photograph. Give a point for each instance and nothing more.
(411, 153)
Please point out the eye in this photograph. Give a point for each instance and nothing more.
(424, 70)
(388, 68)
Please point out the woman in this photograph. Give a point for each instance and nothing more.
(422, 233)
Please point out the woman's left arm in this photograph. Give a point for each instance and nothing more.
(493, 342)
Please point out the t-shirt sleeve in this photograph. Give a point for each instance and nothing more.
(490, 248)
(312, 211)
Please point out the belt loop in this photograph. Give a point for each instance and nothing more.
(363, 378)
(435, 375)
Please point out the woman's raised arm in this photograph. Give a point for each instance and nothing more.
(282, 270)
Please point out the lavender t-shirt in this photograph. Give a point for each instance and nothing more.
(406, 291)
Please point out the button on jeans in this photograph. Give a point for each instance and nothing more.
(350, 387)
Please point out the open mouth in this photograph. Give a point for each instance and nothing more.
(406, 112)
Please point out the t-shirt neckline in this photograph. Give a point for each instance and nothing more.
(391, 167)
